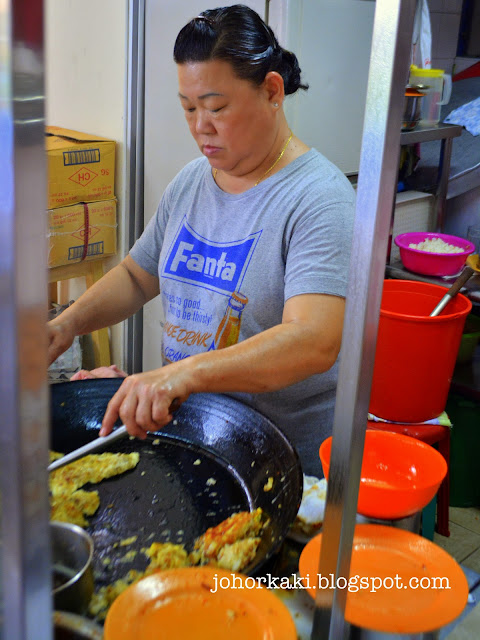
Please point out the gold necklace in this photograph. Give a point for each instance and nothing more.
(273, 165)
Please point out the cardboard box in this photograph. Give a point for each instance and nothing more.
(86, 231)
(81, 167)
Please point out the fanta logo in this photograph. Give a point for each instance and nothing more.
(215, 268)
(212, 265)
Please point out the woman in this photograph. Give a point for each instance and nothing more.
(249, 249)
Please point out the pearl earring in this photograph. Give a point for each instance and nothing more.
(275, 104)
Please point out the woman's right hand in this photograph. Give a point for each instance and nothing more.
(60, 335)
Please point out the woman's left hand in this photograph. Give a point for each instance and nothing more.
(145, 401)
(101, 372)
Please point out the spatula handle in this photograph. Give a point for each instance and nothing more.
(466, 274)
(94, 445)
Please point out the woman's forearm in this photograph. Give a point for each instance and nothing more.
(279, 357)
(305, 344)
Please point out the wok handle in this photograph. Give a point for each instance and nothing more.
(96, 444)
(466, 274)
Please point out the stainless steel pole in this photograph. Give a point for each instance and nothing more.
(388, 75)
(133, 343)
(25, 548)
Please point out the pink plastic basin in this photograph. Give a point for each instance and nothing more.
(432, 264)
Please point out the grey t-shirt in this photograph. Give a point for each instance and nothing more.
(228, 262)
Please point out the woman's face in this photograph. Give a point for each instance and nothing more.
(232, 120)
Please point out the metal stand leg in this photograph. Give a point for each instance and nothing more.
(442, 184)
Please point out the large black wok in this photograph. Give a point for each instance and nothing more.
(213, 459)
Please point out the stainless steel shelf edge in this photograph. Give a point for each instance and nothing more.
(427, 134)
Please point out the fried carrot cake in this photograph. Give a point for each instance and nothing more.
(90, 469)
(68, 502)
(163, 555)
(75, 507)
(232, 544)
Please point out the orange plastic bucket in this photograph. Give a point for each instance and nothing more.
(415, 354)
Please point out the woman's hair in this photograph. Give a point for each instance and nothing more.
(238, 35)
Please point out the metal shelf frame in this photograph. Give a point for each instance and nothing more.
(446, 133)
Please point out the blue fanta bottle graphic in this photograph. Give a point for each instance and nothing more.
(229, 327)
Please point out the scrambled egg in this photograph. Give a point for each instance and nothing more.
(101, 601)
(268, 485)
(165, 555)
(237, 555)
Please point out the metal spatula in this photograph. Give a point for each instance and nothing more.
(98, 443)
(473, 266)
(90, 447)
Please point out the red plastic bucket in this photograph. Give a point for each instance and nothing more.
(415, 354)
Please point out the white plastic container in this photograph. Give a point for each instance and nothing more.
(437, 87)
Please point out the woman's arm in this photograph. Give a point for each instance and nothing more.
(306, 342)
(119, 294)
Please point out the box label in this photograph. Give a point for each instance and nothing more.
(83, 176)
(94, 249)
(83, 156)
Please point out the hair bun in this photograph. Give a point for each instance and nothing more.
(288, 67)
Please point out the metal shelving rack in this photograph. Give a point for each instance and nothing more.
(446, 133)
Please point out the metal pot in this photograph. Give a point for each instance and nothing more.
(72, 554)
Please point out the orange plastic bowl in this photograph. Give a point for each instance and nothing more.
(399, 477)
(205, 603)
(378, 554)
